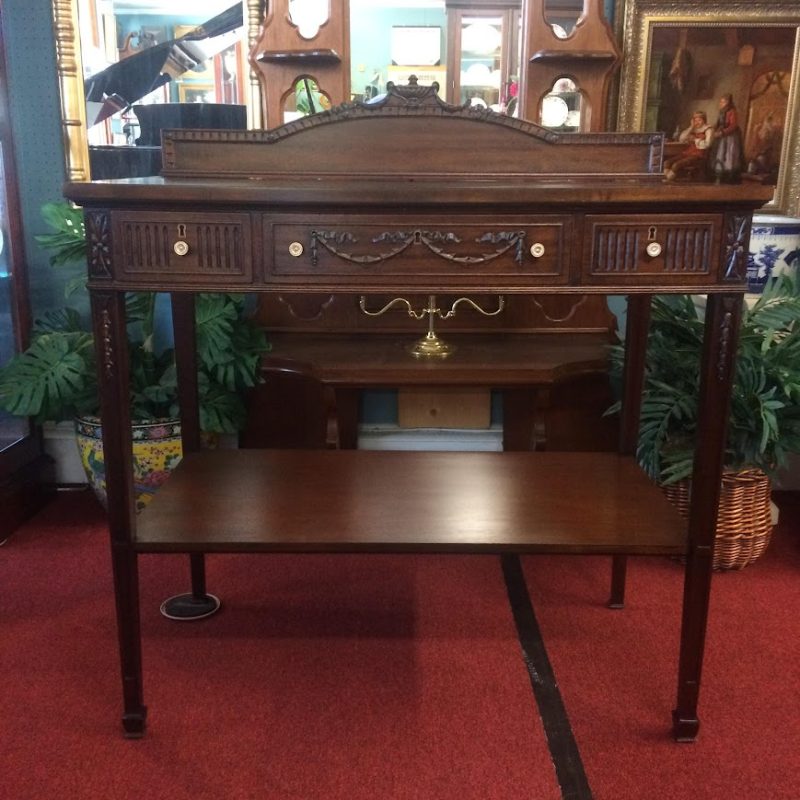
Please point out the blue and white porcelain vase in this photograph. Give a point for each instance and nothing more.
(774, 249)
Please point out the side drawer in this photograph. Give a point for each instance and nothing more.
(417, 249)
(180, 246)
(628, 249)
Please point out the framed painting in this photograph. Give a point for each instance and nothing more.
(721, 80)
(195, 92)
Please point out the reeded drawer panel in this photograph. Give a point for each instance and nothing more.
(625, 249)
(183, 246)
(307, 248)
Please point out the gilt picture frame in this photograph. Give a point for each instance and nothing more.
(683, 57)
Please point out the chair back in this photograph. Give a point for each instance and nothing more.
(291, 409)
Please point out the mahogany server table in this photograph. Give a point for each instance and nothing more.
(408, 194)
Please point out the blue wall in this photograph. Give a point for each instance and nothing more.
(36, 127)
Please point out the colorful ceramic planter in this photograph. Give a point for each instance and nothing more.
(156, 451)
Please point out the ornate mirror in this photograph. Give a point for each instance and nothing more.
(563, 15)
(127, 68)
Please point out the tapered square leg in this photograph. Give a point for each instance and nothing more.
(684, 729)
(619, 571)
(133, 723)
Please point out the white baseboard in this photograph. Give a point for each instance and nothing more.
(60, 445)
(391, 437)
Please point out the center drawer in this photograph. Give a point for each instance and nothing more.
(308, 248)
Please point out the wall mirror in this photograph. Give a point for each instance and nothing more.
(92, 35)
(126, 68)
(470, 49)
(562, 15)
(309, 16)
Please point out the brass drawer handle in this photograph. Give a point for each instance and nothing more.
(653, 249)
(295, 249)
(180, 248)
(537, 249)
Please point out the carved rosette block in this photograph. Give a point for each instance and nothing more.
(98, 238)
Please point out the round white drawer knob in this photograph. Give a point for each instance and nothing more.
(537, 250)
(653, 249)
(295, 249)
(180, 248)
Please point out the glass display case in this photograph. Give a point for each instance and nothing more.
(22, 465)
(483, 57)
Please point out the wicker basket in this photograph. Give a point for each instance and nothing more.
(744, 522)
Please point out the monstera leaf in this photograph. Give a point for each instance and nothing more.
(52, 379)
(228, 351)
(56, 379)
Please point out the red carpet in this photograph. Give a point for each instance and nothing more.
(385, 677)
(322, 677)
(617, 671)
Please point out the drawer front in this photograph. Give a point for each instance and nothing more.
(628, 249)
(182, 247)
(419, 249)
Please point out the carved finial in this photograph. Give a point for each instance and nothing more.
(412, 94)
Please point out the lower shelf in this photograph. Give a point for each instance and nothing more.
(381, 501)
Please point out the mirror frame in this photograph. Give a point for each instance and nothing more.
(69, 69)
(642, 16)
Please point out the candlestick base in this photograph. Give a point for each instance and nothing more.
(430, 346)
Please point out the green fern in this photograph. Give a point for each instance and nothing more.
(764, 422)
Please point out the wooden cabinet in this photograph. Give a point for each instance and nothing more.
(302, 57)
(483, 54)
(586, 58)
(372, 225)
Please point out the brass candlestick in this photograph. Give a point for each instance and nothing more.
(430, 345)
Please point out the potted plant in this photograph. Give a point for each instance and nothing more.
(55, 379)
(764, 423)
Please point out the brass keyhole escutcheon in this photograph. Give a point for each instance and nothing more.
(295, 249)
(180, 248)
(653, 249)
(537, 249)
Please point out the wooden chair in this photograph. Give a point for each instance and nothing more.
(291, 409)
